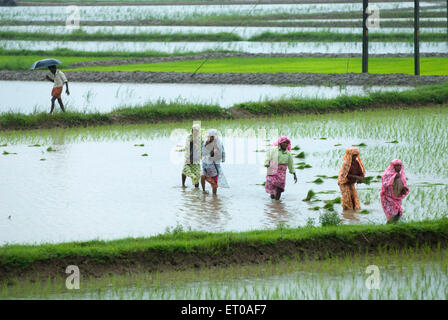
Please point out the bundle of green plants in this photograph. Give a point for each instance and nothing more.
(310, 195)
(329, 219)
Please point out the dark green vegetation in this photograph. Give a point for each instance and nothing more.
(221, 36)
(345, 37)
(434, 94)
(162, 111)
(22, 59)
(180, 250)
(99, 36)
(149, 113)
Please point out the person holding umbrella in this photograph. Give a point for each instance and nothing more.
(57, 77)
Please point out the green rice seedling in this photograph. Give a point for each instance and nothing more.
(362, 144)
(316, 208)
(310, 195)
(337, 145)
(50, 149)
(42, 159)
(4, 145)
(364, 211)
(5, 153)
(144, 155)
(394, 141)
(310, 222)
(318, 181)
(34, 145)
(321, 176)
(301, 155)
(329, 219)
(327, 192)
(262, 150)
(139, 145)
(295, 148)
(367, 180)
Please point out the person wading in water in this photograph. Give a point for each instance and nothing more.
(58, 79)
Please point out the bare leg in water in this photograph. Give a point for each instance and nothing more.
(53, 99)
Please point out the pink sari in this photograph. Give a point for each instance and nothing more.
(276, 178)
(392, 204)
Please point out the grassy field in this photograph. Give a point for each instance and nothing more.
(160, 252)
(25, 62)
(23, 59)
(428, 66)
(161, 111)
(221, 36)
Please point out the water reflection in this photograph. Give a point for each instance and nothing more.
(276, 211)
(203, 211)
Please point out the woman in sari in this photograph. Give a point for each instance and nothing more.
(192, 165)
(212, 155)
(352, 171)
(393, 189)
(278, 159)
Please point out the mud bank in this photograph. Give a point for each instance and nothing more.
(189, 250)
(233, 78)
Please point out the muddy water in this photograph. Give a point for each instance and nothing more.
(104, 97)
(245, 32)
(240, 46)
(101, 13)
(97, 184)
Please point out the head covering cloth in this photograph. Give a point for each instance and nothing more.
(281, 140)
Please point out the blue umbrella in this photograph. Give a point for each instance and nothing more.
(44, 63)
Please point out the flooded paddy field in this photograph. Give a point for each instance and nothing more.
(239, 46)
(182, 12)
(97, 183)
(407, 275)
(104, 97)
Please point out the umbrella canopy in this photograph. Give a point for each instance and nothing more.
(45, 63)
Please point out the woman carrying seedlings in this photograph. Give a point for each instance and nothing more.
(192, 165)
(352, 171)
(278, 158)
(213, 154)
(393, 189)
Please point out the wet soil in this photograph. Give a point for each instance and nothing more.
(233, 78)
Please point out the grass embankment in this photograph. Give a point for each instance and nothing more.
(100, 36)
(184, 250)
(161, 111)
(221, 37)
(23, 59)
(25, 62)
(428, 65)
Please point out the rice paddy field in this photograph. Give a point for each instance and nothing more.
(100, 186)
